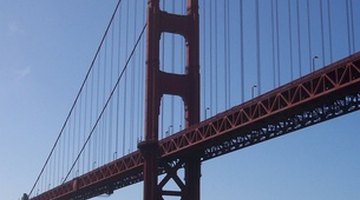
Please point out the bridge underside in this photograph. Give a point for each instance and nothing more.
(322, 95)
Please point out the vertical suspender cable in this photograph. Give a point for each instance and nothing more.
(73, 105)
(53, 181)
(322, 33)
(78, 130)
(56, 159)
(55, 166)
(58, 164)
(111, 137)
(61, 159)
(51, 172)
(143, 74)
(258, 46)
(182, 58)
(125, 84)
(204, 66)
(44, 180)
(85, 123)
(228, 46)
(216, 58)
(117, 128)
(290, 42)
(82, 121)
(225, 53)
(68, 156)
(242, 82)
(112, 101)
(134, 78)
(309, 33)
(104, 133)
(172, 71)
(352, 25)
(53, 169)
(162, 69)
(277, 42)
(132, 90)
(63, 148)
(107, 83)
(330, 30)
(138, 120)
(95, 141)
(46, 176)
(74, 134)
(273, 43)
(106, 103)
(141, 81)
(63, 154)
(138, 105)
(90, 118)
(99, 129)
(298, 34)
(77, 133)
(96, 153)
(142, 78)
(348, 26)
(211, 56)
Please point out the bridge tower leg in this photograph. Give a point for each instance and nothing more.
(158, 83)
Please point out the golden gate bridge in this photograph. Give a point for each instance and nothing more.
(166, 91)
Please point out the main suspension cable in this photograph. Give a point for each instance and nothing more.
(107, 102)
(76, 98)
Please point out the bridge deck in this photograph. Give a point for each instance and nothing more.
(324, 94)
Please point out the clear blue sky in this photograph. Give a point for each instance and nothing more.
(45, 50)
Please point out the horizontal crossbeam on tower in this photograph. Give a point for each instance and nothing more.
(327, 93)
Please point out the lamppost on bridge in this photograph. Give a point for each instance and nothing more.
(168, 132)
(313, 63)
(253, 91)
(206, 111)
(115, 154)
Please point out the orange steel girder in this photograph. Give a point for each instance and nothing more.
(322, 95)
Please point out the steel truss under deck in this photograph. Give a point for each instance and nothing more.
(322, 95)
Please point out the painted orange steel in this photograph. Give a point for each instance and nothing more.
(319, 96)
(158, 83)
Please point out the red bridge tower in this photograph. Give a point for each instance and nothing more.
(158, 83)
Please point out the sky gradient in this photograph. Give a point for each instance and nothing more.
(45, 50)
